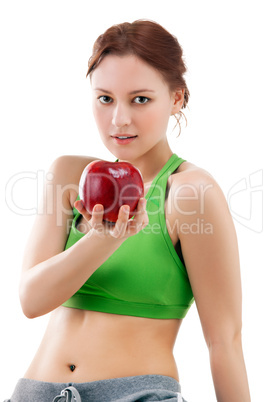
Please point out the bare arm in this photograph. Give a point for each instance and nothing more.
(212, 261)
(50, 275)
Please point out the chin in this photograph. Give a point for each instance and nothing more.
(122, 154)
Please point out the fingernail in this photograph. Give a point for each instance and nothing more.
(126, 209)
(97, 208)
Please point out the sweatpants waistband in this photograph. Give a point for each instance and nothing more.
(124, 389)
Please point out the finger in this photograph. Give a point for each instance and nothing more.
(141, 211)
(79, 205)
(141, 218)
(141, 207)
(145, 218)
(97, 217)
(121, 223)
(142, 204)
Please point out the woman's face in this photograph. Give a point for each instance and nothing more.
(132, 105)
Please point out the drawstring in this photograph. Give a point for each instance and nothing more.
(179, 397)
(69, 394)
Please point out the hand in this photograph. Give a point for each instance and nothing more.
(122, 228)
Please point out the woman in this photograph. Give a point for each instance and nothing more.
(118, 294)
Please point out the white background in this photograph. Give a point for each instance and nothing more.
(45, 112)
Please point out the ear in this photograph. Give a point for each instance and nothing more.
(177, 99)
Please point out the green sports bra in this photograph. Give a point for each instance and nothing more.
(144, 277)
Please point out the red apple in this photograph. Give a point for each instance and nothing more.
(111, 184)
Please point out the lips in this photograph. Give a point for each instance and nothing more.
(123, 136)
(124, 139)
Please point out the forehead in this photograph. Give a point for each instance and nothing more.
(126, 72)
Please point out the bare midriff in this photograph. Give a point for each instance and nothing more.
(83, 346)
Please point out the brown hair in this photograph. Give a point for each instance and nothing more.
(150, 42)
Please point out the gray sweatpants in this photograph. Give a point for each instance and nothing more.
(126, 389)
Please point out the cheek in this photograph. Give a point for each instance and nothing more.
(157, 118)
(94, 112)
(100, 117)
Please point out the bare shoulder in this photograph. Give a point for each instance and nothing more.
(66, 171)
(191, 176)
(70, 165)
(189, 170)
(193, 187)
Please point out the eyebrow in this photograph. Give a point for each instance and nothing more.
(130, 93)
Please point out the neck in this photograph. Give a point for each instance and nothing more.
(152, 162)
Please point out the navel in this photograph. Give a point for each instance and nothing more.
(72, 367)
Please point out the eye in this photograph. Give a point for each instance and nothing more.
(141, 100)
(105, 99)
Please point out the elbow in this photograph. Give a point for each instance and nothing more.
(29, 307)
(224, 341)
(225, 335)
(33, 302)
(29, 314)
(225, 344)
(26, 306)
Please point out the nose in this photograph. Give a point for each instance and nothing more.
(121, 115)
